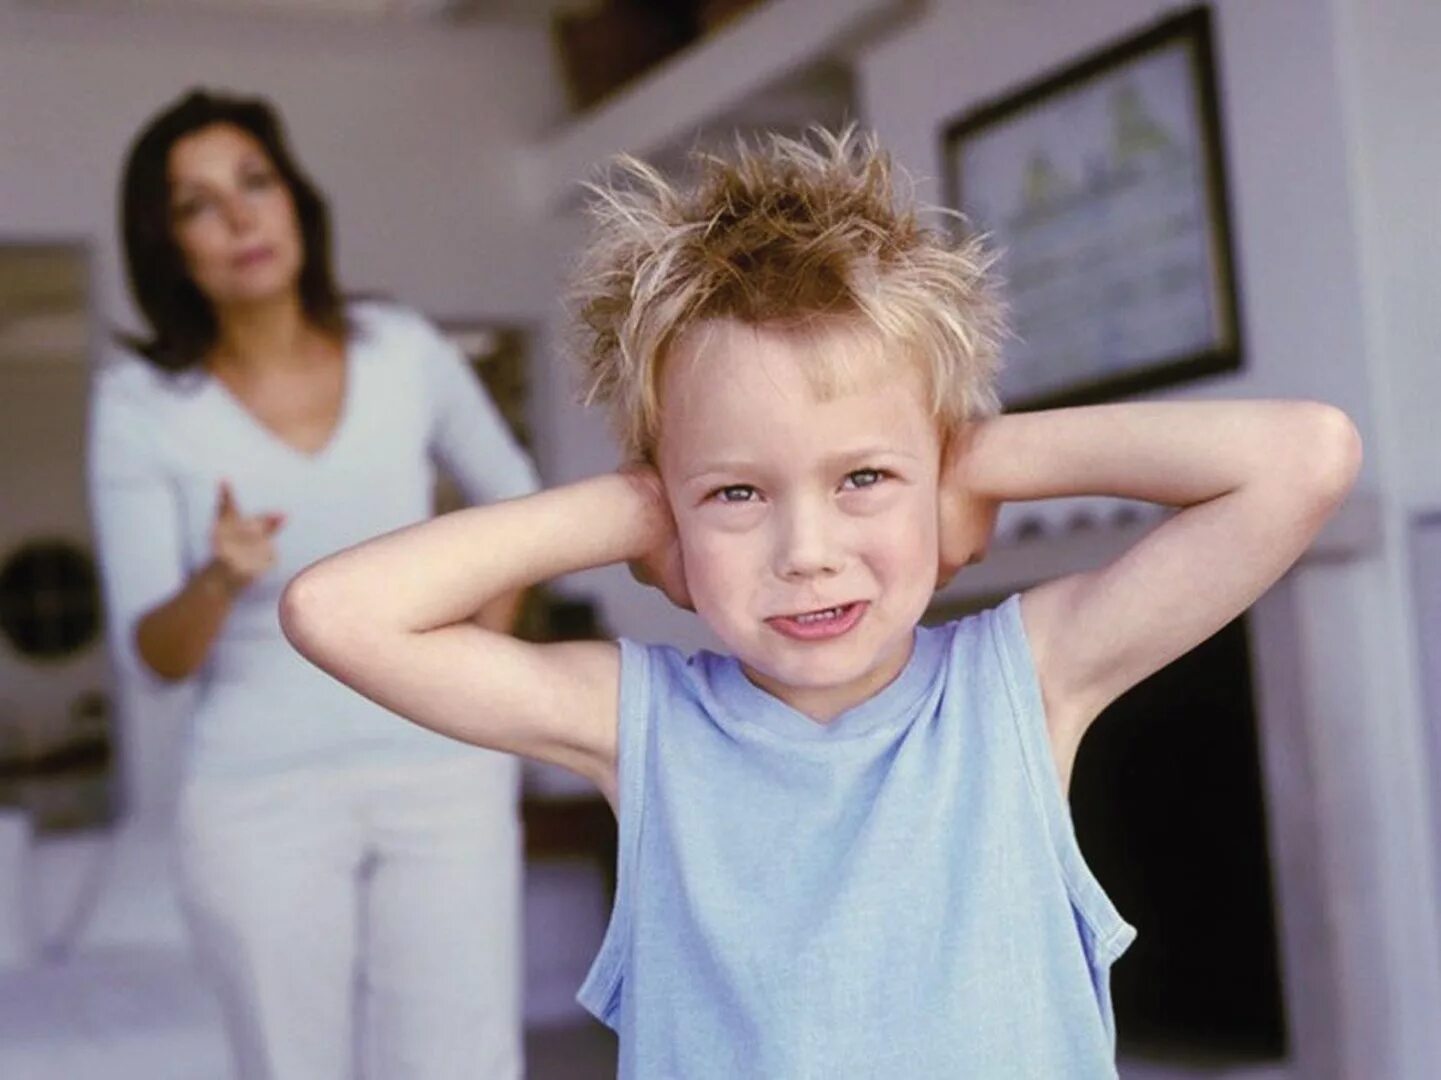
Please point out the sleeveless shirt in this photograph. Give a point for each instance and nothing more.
(896, 893)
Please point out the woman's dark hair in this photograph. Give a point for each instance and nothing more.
(181, 319)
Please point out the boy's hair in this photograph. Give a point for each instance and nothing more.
(792, 233)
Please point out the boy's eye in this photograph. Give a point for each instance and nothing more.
(735, 493)
(862, 478)
(258, 181)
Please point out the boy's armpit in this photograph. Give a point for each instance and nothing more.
(586, 725)
(557, 703)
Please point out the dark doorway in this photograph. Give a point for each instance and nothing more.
(1168, 806)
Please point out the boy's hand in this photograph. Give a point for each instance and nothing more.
(661, 566)
(967, 520)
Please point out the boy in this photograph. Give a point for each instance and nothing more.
(844, 848)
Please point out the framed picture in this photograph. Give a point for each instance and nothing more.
(1102, 189)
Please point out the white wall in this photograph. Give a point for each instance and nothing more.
(410, 129)
(1388, 67)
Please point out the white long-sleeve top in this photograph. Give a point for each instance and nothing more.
(159, 446)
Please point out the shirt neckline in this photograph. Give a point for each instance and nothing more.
(267, 434)
(891, 704)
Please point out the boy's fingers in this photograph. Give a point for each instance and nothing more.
(225, 502)
(270, 523)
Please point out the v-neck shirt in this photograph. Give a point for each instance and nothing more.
(160, 444)
(235, 402)
(898, 892)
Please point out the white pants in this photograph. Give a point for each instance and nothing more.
(361, 922)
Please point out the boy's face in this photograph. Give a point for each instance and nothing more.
(807, 522)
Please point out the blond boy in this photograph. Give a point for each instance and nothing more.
(845, 849)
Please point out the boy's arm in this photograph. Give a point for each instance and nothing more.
(391, 618)
(1255, 481)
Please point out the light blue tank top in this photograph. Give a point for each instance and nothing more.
(897, 893)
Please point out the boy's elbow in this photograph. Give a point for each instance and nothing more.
(302, 608)
(1331, 451)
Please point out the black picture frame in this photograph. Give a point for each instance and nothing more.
(1115, 254)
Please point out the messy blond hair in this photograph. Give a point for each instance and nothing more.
(790, 234)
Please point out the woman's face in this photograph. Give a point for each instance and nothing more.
(233, 217)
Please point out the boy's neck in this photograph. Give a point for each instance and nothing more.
(822, 704)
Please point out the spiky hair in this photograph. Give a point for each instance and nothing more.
(788, 234)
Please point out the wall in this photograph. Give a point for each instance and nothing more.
(1385, 55)
(1388, 53)
(410, 129)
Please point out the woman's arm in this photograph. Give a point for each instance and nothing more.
(472, 442)
(1255, 481)
(136, 517)
(174, 638)
(161, 623)
(391, 618)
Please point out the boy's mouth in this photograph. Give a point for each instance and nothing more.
(821, 624)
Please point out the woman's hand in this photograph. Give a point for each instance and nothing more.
(967, 519)
(241, 547)
(661, 566)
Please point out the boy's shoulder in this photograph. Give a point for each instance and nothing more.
(1000, 617)
(670, 662)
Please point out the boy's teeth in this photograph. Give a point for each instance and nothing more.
(818, 616)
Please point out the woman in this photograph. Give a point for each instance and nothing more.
(351, 881)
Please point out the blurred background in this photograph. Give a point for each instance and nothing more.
(1267, 811)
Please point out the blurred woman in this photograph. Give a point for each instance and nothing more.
(350, 881)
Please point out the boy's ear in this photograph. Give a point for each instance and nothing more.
(663, 567)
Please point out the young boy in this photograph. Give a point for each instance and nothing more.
(844, 848)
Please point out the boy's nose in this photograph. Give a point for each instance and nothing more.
(807, 546)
